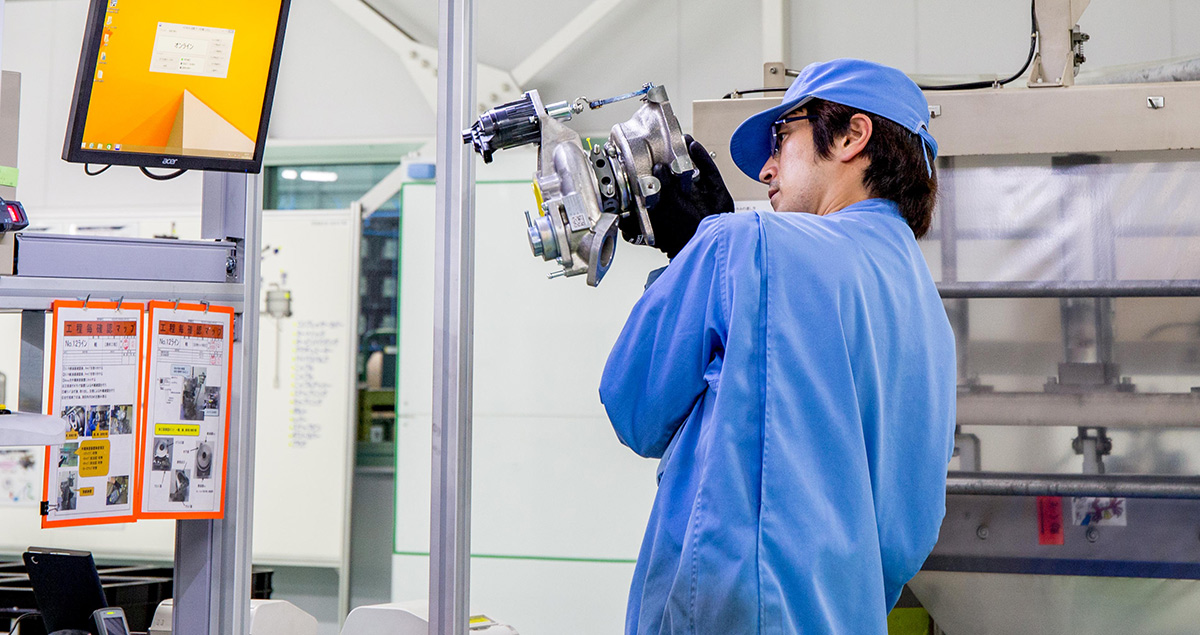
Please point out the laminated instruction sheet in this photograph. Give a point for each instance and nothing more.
(187, 399)
(94, 368)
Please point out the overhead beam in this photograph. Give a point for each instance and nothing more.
(495, 86)
(402, 21)
(557, 44)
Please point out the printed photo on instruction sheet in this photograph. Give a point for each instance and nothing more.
(187, 410)
(95, 367)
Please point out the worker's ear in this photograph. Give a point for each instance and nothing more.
(850, 146)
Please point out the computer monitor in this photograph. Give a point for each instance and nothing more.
(182, 84)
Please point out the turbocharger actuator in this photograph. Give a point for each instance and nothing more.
(583, 194)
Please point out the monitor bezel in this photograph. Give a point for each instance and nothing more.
(81, 101)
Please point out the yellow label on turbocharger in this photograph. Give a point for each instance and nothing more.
(537, 194)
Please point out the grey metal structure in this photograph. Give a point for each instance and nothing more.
(992, 518)
(1059, 220)
(993, 534)
(454, 313)
(64, 256)
(212, 557)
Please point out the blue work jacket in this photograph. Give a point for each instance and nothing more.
(796, 374)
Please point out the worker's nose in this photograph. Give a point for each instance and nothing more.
(769, 169)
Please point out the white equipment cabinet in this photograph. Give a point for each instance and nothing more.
(267, 617)
(410, 618)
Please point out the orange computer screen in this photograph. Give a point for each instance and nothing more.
(185, 77)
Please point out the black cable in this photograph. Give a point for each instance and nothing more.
(1172, 325)
(754, 90)
(1033, 37)
(12, 628)
(162, 177)
(97, 172)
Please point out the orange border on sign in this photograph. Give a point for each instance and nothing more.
(135, 494)
(145, 426)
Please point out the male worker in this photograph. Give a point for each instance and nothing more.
(794, 371)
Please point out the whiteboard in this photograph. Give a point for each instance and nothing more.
(304, 438)
(305, 432)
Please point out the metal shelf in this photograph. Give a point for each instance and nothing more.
(213, 556)
(28, 293)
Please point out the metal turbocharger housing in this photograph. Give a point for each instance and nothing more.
(651, 137)
(584, 194)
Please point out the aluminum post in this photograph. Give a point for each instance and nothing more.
(30, 387)
(213, 557)
(450, 501)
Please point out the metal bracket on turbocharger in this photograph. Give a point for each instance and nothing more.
(583, 195)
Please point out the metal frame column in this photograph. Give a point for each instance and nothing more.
(777, 32)
(454, 259)
(213, 557)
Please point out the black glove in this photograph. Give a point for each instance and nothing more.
(682, 204)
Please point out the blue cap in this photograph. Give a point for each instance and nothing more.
(866, 86)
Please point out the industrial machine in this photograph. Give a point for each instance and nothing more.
(1063, 246)
(583, 194)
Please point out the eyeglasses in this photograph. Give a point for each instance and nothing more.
(777, 133)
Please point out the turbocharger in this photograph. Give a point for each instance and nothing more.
(583, 194)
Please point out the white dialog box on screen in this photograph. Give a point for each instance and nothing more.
(185, 49)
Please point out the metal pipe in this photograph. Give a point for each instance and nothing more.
(1040, 233)
(1087, 409)
(450, 500)
(1126, 486)
(1072, 289)
(1176, 70)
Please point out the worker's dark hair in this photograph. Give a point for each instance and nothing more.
(898, 169)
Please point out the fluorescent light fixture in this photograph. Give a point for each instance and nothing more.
(318, 176)
(289, 174)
